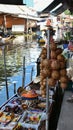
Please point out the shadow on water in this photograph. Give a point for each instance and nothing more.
(14, 53)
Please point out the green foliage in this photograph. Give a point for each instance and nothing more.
(67, 12)
(67, 36)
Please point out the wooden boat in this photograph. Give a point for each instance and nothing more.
(41, 42)
(6, 40)
(12, 106)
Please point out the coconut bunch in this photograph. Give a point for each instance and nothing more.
(43, 54)
(45, 71)
(53, 68)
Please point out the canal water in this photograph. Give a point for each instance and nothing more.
(14, 54)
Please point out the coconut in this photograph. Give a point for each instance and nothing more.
(55, 65)
(53, 46)
(46, 63)
(60, 57)
(62, 64)
(51, 82)
(55, 75)
(46, 72)
(64, 79)
(58, 51)
(53, 55)
(63, 72)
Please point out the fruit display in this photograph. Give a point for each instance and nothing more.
(31, 118)
(54, 68)
(8, 120)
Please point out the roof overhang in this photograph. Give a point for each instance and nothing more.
(60, 9)
(66, 4)
(19, 11)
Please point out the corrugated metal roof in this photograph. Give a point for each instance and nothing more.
(66, 4)
(17, 9)
(39, 5)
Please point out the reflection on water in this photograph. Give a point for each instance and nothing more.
(14, 54)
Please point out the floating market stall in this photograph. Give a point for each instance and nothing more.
(26, 108)
(33, 103)
(21, 108)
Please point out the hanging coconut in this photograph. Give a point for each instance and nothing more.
(46, 63)
(59, 51)
(44, 82)
(44, 50)
(53, 55)
(63, 72)
(43, 92)
(60, 57)
(51, 82)
(43, 56)
(55, 65)
(53, 46)
(41, 76)
(41, 83)
(46, 72)
(55, 74)
(44, 95)
(42, 87)
(62, 64)
(64, 79)
(41, 67)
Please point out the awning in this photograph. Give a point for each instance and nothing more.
(55, 9)
(59, 10)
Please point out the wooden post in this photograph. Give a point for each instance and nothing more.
(7, 94)
(23, 76)
(14, 88)
(31, 73)
(47, 87)
(27, 27)
(5, 24)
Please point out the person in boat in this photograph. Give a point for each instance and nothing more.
(5, 39)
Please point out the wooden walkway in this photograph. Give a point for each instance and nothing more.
(65, 121)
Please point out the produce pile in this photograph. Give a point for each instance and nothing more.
(54, 68)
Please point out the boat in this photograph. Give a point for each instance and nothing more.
(41, 41)
(15, 109)
(6, 40)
